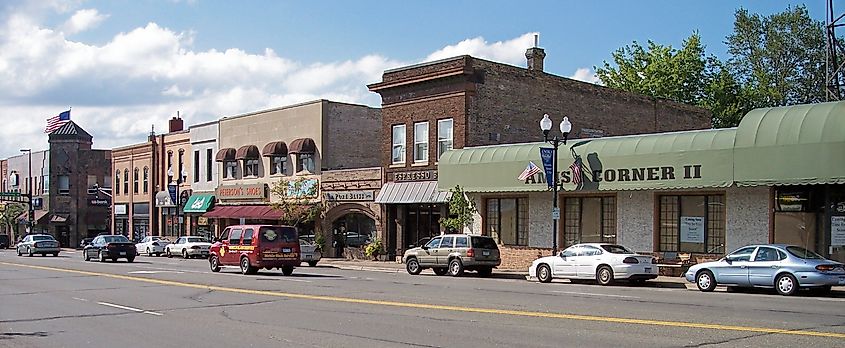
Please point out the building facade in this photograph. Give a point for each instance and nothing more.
(173, 189)
(17, 179)
(133, 189)
(205, 179)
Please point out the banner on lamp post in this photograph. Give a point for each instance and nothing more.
(172, 190)
(547, 156)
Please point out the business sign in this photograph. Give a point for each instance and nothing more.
(656, 173)
(547, 156)
(837, 230)
(120, 209)
(357, 196)
(416, 175)
(692, 229)
(302, 188)
(99, 203)
(255, 191)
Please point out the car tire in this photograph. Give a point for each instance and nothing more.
(149, 253)
(185, 254)
(485, 271)
(167, 252)
(18, 250)
(214, 263)
(705, 281)
(55, 254)
(130, 259)
(287, 270)
(544, 274)
(440, 271)
(604, 275)
(413, 266)
(101, 257)
(29, 251)
(246, 268)
(456, 267)
(85, 255)
(312, 263)
(786, 284)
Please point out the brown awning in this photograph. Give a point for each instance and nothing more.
(247, 152)
(58, 218)
(302, 145)
(276, 148)
(227, 154)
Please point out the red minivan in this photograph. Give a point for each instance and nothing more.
(256, 246)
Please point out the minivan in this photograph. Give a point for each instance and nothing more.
(252, 247)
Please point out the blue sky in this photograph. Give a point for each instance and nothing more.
(126, 65)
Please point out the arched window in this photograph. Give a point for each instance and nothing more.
(117, 182)
(146, 179)
(135, 181)
(126, 181)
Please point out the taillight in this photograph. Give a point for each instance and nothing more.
(654, 261)
(825, 268)
(631, 260)
(111, 246)
(195, 247)
(35, 244)
(470, 252)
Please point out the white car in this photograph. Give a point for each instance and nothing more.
(152, 245)
(309, 252)
(188, 247)
(605, 263)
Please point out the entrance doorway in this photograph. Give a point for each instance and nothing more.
(810, 216)
(352, 230)
(421, 221)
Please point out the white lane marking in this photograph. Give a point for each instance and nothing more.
(591, 294)
(80, 299)
(128, 308)
(155, 272)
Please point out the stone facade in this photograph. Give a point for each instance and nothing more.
(350, 191)
(635, 220)
(747, 216)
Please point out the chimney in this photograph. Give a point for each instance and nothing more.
(535, 56)
(176, 124)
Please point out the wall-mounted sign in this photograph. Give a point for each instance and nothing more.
(792, 201)
(100, 203)
(837, 230)
(303, 188)
(417, 175)
(692, 229)
(687, 172)
(202, 221)
(591, 133)
(256, 191)
(120, 209)
(358, 196)
(183, 196)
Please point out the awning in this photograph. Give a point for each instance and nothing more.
(693, 159)
(302, 145)
(795, 145)
(247, 152)
(411, 192)
(276, 148)
(39, 214)
(244, 212)
(225, 154)
(198, 203)
(58, 218)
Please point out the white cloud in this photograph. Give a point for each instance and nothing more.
(83, 20)
(510, 51)
(586, 75)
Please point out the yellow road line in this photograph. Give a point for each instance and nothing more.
(450, 308)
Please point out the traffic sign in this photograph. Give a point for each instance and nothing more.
(10, 194)
(555, 213)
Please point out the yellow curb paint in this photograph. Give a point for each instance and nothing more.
(450, 308)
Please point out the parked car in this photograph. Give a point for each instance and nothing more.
(152, 245)
(256, 246)
(5, 241)
(787, 268)
(605, 263)
(38, 244)
(188, 247)
(84, 242)
(110, 247)
(310, 252)
(454, 254)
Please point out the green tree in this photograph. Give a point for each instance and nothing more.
(10, 212)
(726, 99)
(461, 211)
(298, 200)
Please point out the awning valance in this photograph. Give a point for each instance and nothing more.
(276, 148)
(247, 152)
(39, 214)
(198, 203)
(302, 145)
(225, 154)
(244, 212)
(411, 192)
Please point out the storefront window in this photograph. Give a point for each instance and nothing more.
(278, 165)
(589, 220)
(692, 224)
(353, 230)
(507, 220)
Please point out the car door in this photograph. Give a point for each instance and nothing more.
(441, 254)
(426, 256)
(565, 267)
(233, 254)
(586, 262)
(764, 266)
(734, 269)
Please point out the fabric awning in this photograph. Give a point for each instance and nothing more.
(302, 145)
(411, 192)
(58, 218)
(244, 212)
(693, 159)
(198, 203)
(794, 145)
(39, 214)
(247, 152)
(225, 154)
(276, 148)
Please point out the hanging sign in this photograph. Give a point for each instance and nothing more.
(547, 155)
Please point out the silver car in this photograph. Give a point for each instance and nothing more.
(454, 253)
(786, 268)
(38, 244)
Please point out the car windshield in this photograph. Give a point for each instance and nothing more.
(483, 243)
(196, 240)
(802, 253)
(116, 239)
(42, 237)
(616, 249)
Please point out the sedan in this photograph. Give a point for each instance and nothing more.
(310, 252)
(605, 263)
(110, 247)
(152, 245)
(38, 244)
(188, 247)
(787, 268)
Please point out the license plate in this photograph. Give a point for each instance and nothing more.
(308, 257)
(122, 253)
(285, 250)
(841, 280)
(485, 253)
(648, 269)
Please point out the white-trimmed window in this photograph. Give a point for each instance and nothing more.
(230, 170)
(444, 136)
(251, 167)
(278, 164)
(305, 162)
(398, 149)
(421, 142)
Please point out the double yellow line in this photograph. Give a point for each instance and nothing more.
(450, 308)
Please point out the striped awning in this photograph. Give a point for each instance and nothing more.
(411, 192)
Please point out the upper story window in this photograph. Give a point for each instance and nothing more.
(209, 165)
(251, 167)
(398, 148)
(169, 166)
(126, 181)
(230, 169)
(196, 165)
(444, 136)
(64, 184)
(305, 162)
(421, 142)
(146, 179)
(117, 182)
(181, 173)
(135, 180)
(278, 165)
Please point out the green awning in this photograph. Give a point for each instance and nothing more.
(198, 203)
(795, 145)
(682, 160)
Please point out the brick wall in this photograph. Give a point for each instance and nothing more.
(520, 258)
(351, 136)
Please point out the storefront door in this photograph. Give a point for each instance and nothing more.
(421, 221)
(812, 217)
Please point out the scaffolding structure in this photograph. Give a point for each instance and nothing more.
(835, 56)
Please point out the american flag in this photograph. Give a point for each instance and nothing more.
(575, 168)
(530, 170)
(57, 122)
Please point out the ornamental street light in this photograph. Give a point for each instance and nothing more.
(31, 215)
(565, 128)
(178, 180)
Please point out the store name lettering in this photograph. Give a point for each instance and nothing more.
(247, 191)
(415, 176)
(692, 171)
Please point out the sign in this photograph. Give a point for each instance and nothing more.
(171, 189)
(555, 213)
(547, 156)
(202, 221)
(10, 194)
(417, 175)
(792, 201)
(255, 191)
(120, 209)
(687, 172)
(183, 197)
(363, 195)
(692, 229)
(101, 203)
(837, 230)
(302, 188)
(591, 133)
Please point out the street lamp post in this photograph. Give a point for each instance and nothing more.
(178, 180)
(565, 128)
(31, 215)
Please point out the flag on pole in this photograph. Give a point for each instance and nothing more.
(530, 170)
(575, 168)
(57, 122)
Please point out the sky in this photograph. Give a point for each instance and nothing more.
(123, 66)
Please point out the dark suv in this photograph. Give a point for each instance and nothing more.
(454, 254)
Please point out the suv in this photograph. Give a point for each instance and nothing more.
(454, 254)
(256, 246)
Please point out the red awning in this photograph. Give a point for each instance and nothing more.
(244, 212)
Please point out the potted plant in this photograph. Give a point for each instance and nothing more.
(373, 249)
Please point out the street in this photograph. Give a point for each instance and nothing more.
(161, 302)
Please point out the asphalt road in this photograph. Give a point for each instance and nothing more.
(160, 302)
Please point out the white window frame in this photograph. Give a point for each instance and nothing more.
(276, 160)
(441, 141)
(305, 162)
(421, 142)
(398, 144)
(251, 167)
(230, 169)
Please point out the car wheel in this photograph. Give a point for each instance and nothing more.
(440, 271)
(85, 256)
(485, 271)
(18, 250)
(413, 266)
(456, 267)
(29, 251)
(130, 259)
(184, 254)
(246, 268)
(214, 262)
(312, 263)
(55, 254)
(705, 281)
(167, 252)
(786, 284)
(287, 270)
(101, 257)
(544, 274)
(604, 275)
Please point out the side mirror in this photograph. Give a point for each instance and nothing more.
(728, 260)
(425, 247)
